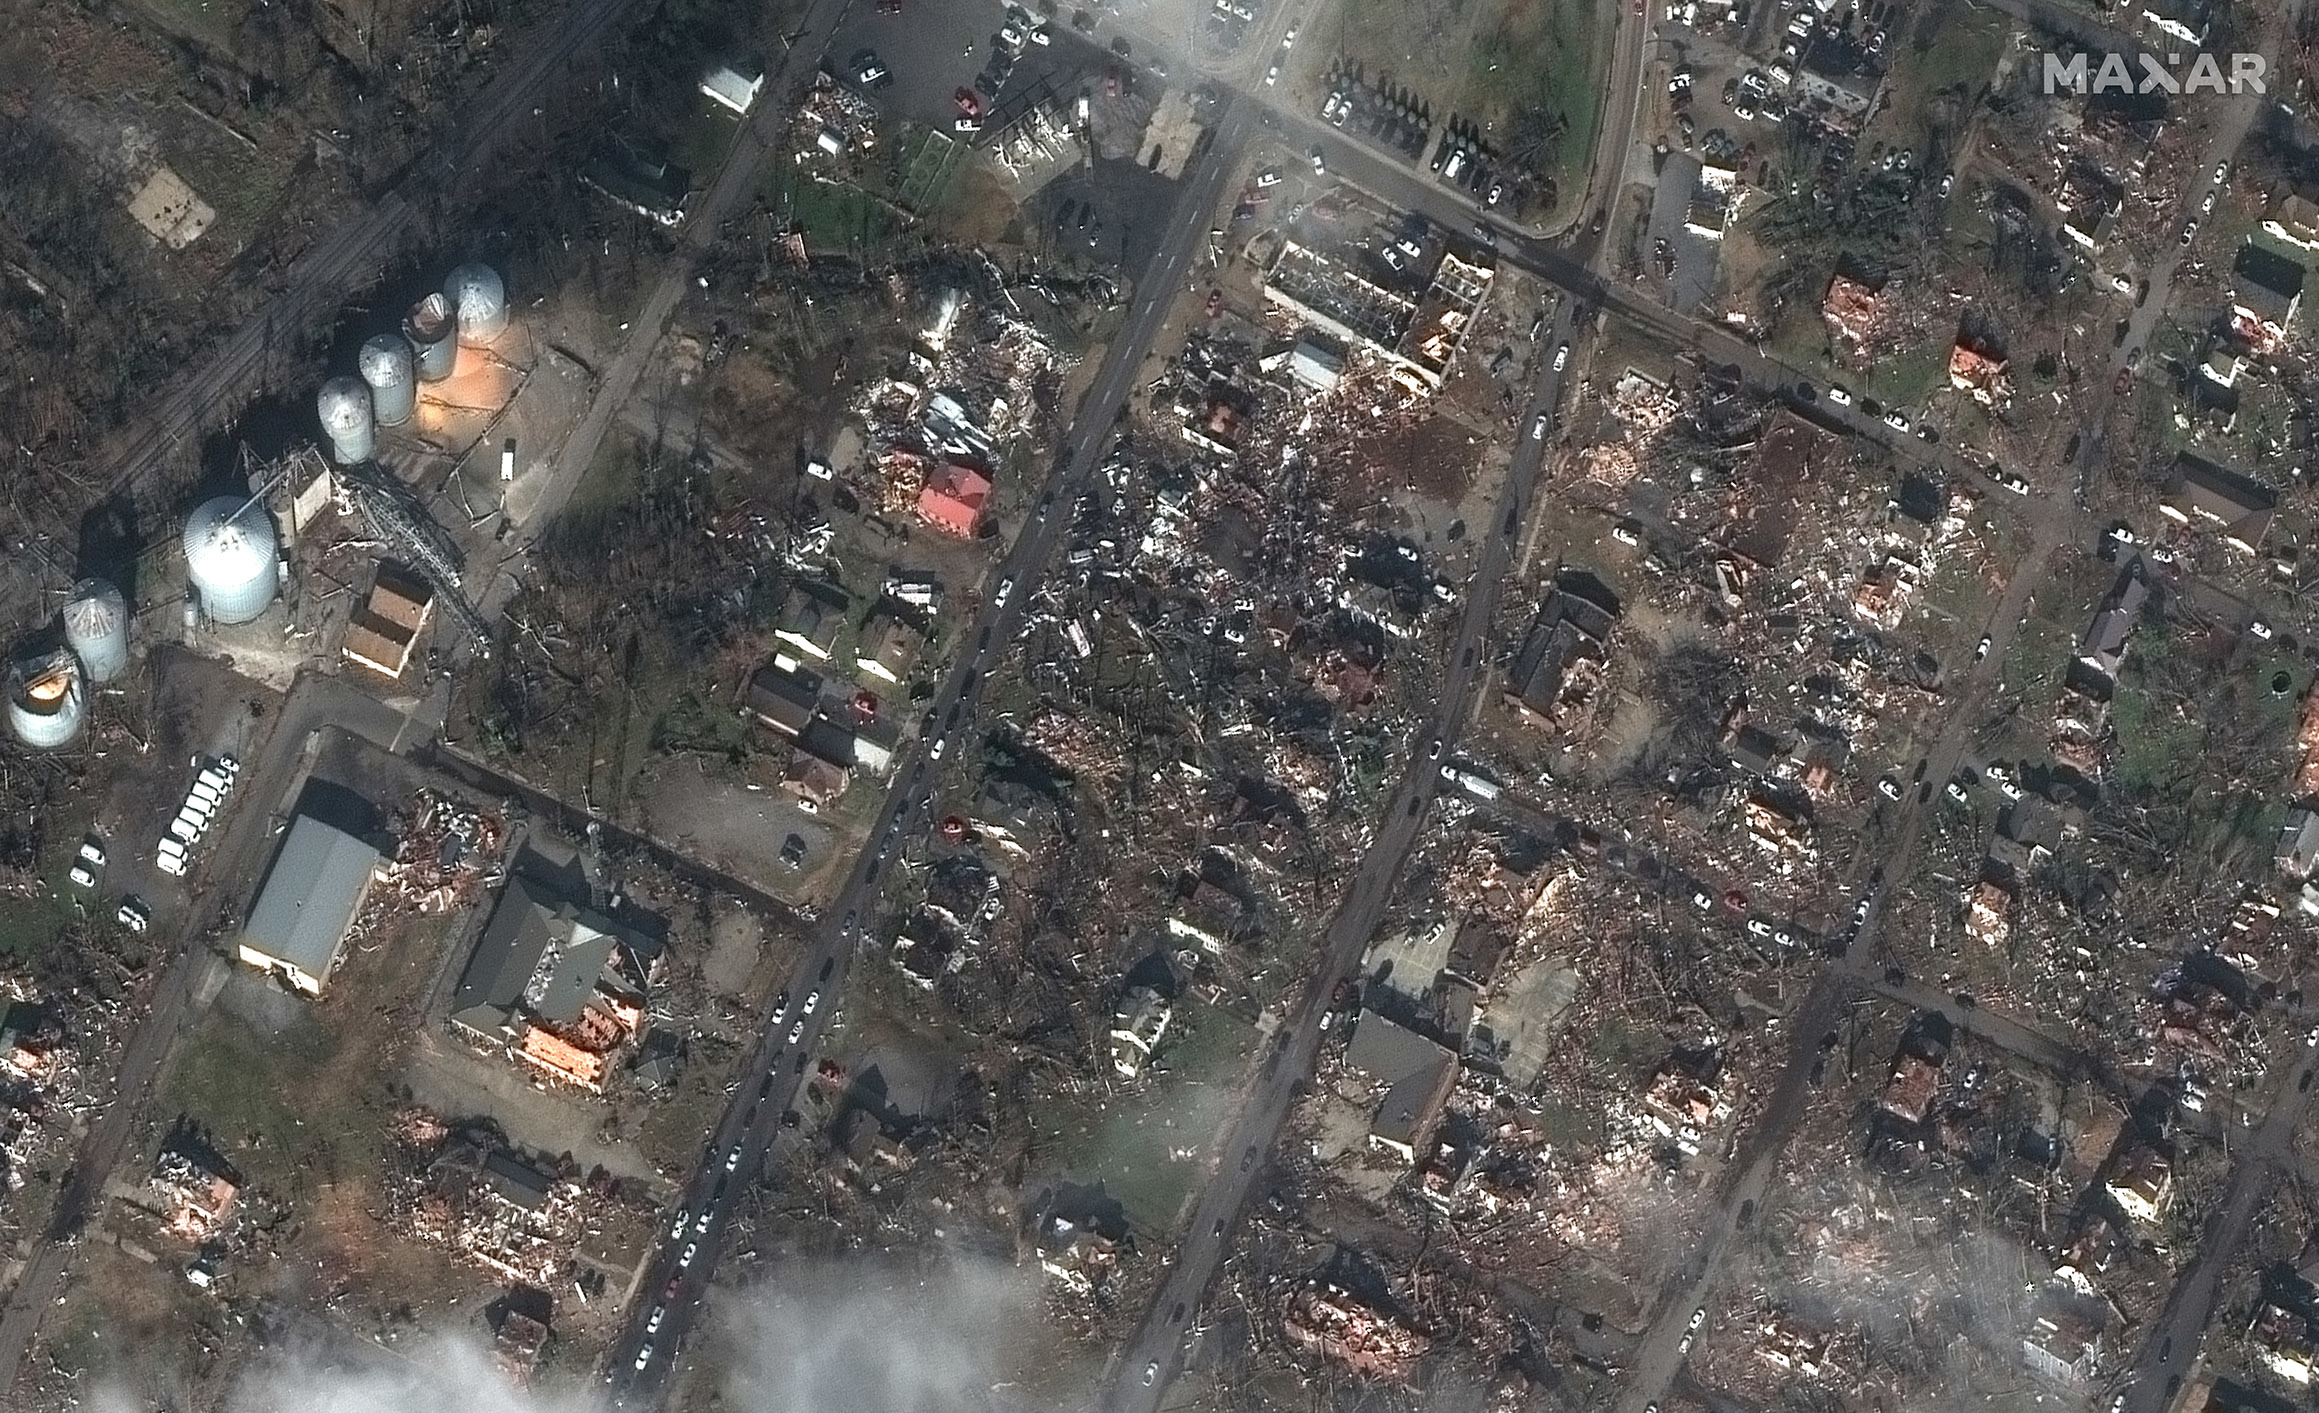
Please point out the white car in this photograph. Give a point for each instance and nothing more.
(1538, 428)
(133, 915)
(684, 1259)
(1702, 900)
(92, 853)
(934, 752)
(1625, 535)
(1889, 788)
(1983, 650)
(1150, 1373)
(1330, 108)
(1010, 37)
(812, 999)
(2222, 171)
(1006, 589)
(2260, 629)
(683, 1220)
(1561, 358)
(733, 1159)
(1699, 1317)
(2009, 790)
(643, 1357)
(1320, 166)
(1895, 421)
(653, 1321)
(1838, 396)
(171, 860)
(700, 1224)
(1757, 927)
(1269, 177)
(797, 1032)
(81, 876)
(1042, 35)
(1288, 40)
(1272, 76)
(1957, 792)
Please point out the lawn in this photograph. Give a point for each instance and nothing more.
(832, 213)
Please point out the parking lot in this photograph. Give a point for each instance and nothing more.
(934, 50)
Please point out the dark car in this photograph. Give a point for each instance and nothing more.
(793, 850)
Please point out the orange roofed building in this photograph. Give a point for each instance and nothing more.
(955, 500)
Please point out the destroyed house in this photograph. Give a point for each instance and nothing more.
(1851, 310)
(1561, 665)
(1978, 375)
(2201, 491)
(312, 893)
(2141, 1181)
(514, 1180)
(1328, 1320)
(1908, 1094)
(2089, 200)
(1414, 1076)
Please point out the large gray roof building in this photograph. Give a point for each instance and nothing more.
(315, 888)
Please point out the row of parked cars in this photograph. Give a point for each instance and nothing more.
(211, 784)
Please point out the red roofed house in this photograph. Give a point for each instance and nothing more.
(954, 500)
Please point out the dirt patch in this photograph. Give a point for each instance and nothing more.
(736, 941)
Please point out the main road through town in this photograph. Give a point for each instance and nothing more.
(641, 1361)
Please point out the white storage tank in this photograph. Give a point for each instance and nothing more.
(229, 555)
(96, 628)
(344, 406)
(433, 331)
(46, 706)
(479, 298)
(385, 364)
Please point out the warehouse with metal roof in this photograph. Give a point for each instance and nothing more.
(311, 895)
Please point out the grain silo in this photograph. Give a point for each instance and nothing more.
(229, 555)
(344, 406)
(46, 707)
(96, 628)
(385, 364)
(434, 334)
(479, 298)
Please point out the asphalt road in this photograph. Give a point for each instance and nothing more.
(774, 1078)
(1151, 1358)
(349, 258)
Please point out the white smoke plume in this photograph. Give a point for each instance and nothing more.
(866, 1337)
